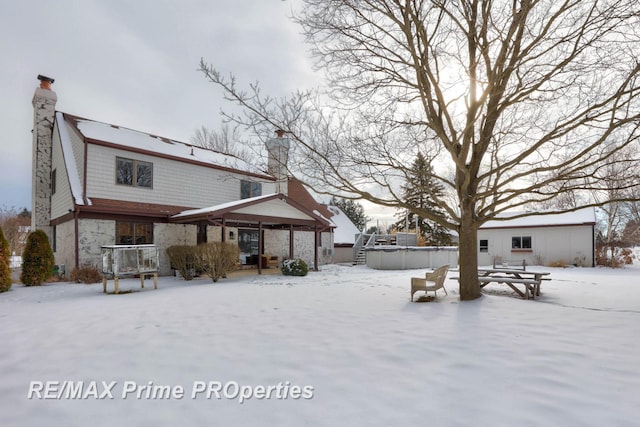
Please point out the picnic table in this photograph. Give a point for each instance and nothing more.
(530, 280)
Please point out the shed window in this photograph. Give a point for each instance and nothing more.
(521, 242)
(484, 245)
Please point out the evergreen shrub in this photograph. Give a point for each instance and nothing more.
(5, 264)
(37, 259)
(294, 267)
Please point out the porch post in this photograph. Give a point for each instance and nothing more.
(260, 243)
(315, 248)
(224, 230)
(290, 241)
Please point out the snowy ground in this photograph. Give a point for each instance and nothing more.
(569, 358)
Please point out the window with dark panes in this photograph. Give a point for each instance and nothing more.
(144, 174)
(521, 242)
(248, 241)
(484, 245)
(201, 236)
(124, 171)
(134, 233)
(134, 172)
(250, 189)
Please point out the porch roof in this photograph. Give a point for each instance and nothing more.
(270, 211)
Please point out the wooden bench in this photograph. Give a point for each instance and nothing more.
(269, 261)
(509, 264)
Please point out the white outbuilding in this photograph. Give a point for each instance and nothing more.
(542, 239)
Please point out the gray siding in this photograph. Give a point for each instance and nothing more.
(174, 182)
(565, 244)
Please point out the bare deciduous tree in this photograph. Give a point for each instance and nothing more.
(616, 209)
(631, 232)
(16, 227)
(226, 141)
(516, 101)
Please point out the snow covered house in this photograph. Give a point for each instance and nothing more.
(567, 238)
(97, 184)
(344, 235)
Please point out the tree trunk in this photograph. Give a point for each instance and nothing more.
(468, 256)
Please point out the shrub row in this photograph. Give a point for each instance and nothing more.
(214, 259)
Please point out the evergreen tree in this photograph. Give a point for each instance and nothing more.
(418, 192)
(353, 210)
(37, 259)
(5, 267)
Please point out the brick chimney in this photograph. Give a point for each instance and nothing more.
(44, 102)
(278, 151)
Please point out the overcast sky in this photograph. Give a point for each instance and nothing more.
(134, 64)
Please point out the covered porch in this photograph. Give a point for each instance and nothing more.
(255, 219)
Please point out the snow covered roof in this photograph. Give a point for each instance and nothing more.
(70, 161)
(270, 209)
(585, 216)
(222, 206)
(156, 145)
(345, 231)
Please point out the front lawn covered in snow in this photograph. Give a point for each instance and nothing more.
(349, 334)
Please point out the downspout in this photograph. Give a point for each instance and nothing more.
(85, 199)
(593, 245)
(290, 241)
(76, 214)
(315, 248)
(260, 243)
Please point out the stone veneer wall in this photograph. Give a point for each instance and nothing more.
(165, 235)
(277, 243)
(44, 103)
(66, 246)
(94, 233)
(303, 247)
(214, 233)
(97, 233)
(326, 241)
